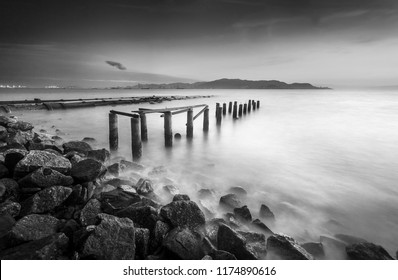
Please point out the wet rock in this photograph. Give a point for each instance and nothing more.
(333, 248)
(367, 251)
(78, 195)
(102, 155)
(144, 186)
(349, 239)
(118, 182)
(315, 249)
(114, 169)
(5, 120)
(129, 165)
(211, 229)
(179, 197)
(256, 243)
(141, 243)
(112, 239)
(206, 194)
(12, 157)
(37, 159)
(20, 125)
(230, 201)
(116, 200)
(207, 258)
(45, 200)
(243, 214)
(11, 208)
(266, 213)
(171, 190)
(231, 241)
(45, 177)
(239, 191)
(70, 227)
(89, 140)
(177, 136)
(87, 170)
(158, 234)
(286, 248)
(183, 213)
(89, 214)
(158, 171)
(232, 221)
(76, 146)
(3, 191)
(3, 133)
(6, 224)
(48, 248)
(145, 216)
(260, 226)
(182, 243)
(3, 171)
(12, 188)
(19, 137)
(222, 255)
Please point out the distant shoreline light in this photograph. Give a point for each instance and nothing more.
(12, 86)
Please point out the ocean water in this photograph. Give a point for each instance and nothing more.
(324, 161)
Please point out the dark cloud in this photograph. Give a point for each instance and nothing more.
(116, 64)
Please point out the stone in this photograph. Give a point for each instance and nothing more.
(157, 235)
(118, 182)
(243, 214)
(144, 186)
(89, 140)
(128, 189)
(116, 200)
(367, 251)
(70, 227)
(37, 159)
(222, 255)
(11, 188)
(211, 229)
(260, 226)
(255, 242)
(20, 125)
(102, 155)
(89, 213)
(3, 191)
(6, 224)
(177, 136)
(286, 248)
(3, 133)
(76, 146)
(11, 208)
(5, 120)
(3, 171)
(266, 213)
(87, 170)
(171, 190)
(231, 241)
(112, 239)
(114, 169)
(206, 194)
(145, 216)
(78, 195)
(349, 239)
(315, 249)
(12, 157)
(179, 197)
(45, 177)
(129, 165)
(183, 213)
(230, 201)
(19, 137)
(239, 191)
(141, 243)
(207, 258)
(45, 200)
(182, 243)
(48, 248)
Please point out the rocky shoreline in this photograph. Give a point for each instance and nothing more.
(67, 200)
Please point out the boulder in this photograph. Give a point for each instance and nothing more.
(177, 136)
(266, 213)
(76, 146)
(11, 208)
(182, 243)
(206, 194)
(179, 197)
(349, 239)
(112, 239)
(20, 125)
(3, 171)
(260, 226)
(87, 170)
(48, 248)
(171, 190)
(3, 191)
(230, 201)
(239, 191)
(5, 120)
(334, 249)
(45, 200)
(37, 159)
(211, 229)
(183, 213)
(367, 251)
(70, 227)
(157, 235)
(89, 213)
(129, 165)
(256, 243)
(89, 140)
(141, 243)
(286, 248)
(222, 255)
(144, 186)
(45, 177)
(118, 182)
(6, 224)
(243, 214)
(19, 137)
(102, 155)
(144, 216)
(78, 195)
(12, 188)
(315, 249)
(116, 200)
(12, 157)
(3, 133)
(114, 169)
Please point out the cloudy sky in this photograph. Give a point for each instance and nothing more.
(122, 42)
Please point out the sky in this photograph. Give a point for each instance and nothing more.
(99, 43)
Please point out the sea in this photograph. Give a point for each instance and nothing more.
(324, 161)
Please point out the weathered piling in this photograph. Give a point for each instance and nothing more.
(190, 123)
(258, 104)
(217, 106)
(168, 131)
(240, 110)
(219, 115)
(144, 128)
(249, 106)
(113, 132)
(230, 108)
(244, 109)
(254, 105)
(136, 143)
(224, 109)
(235, 111)
(206, 120)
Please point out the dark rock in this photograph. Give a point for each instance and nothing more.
(129, 165)
(243, 214)
(20, 125)
(116, 200)
(90, 187)
(222, 255)
(6, 224)
(11, 146)
(266, 213)
(112, 239)
(45, 200)
(158, 234)
(232, 221)
(207, 258)
(179, 197)
(256, 243)
(239, 191)
(141, 243)
(3, 171)
(144, 186)
(182, 243)
(183, 213)
(5, 120)
(12, 157)
(231, 241)
(3, 133)
(3, 191)
(12, 188)
(89, 140)
(70, 227)
(10, 207)
(349, 239)
(37, 159)
(367, 251)
(78, 195)
(114, 169)
(230, 201)
(259, 225)
(87, 170)
(45, 177)
(211, 229)
(19, 137)
(157, 171)
(118, 183)
(177, 136)
(286, 248)
(48, 248)
(89, 214)
(205, 193)
(315, 249)
(102, 155)
(145, 216)
(76, 146)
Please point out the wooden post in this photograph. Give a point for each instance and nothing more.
(190, 123)
(224, 109)
(254, 105)
(240, 110)
(230, 108)
(235, 112)
(217, 106)
(144, 128)
(249, 106)
(258, 104)
(206, 120)
(113, 132)
(219, 115)
(244, 109)
(136, 143)
(168, 131)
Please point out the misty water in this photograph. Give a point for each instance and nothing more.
(324, 161)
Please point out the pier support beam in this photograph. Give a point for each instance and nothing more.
(258, 104)
(168, 131)
(113, 132)
(244, 109)
(240, 110)
(249, 106)
(224, 109)
(235, 111)
(144, 128)
(136, 143)
(219, 115)
(254, 105)
(206, 120)
(230, 108)
(190, 123)
(217, 106)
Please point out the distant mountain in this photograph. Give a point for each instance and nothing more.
(230, 84)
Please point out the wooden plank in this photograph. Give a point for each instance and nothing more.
(200, 112)
(123, 114)
(147, 110)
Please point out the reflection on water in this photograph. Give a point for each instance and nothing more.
(324, 161)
